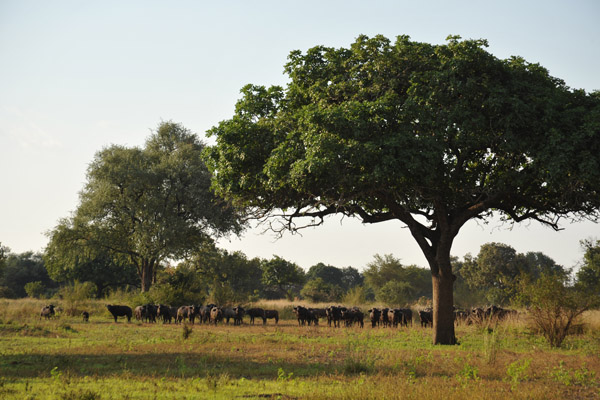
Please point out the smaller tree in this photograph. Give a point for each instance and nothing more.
(317, 290)
(279, 276)
(35, 289)
(588, 276)
(554, 307)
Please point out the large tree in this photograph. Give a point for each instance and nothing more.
(431, 135)
(152, 203)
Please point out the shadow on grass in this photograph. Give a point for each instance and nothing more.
(180, 365)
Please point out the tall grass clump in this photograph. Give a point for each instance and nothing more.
(76, 296)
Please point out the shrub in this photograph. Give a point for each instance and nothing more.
(35, 289)
(317, 290)
(76, 295)
(554, 307)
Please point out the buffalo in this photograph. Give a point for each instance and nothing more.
(334, 315)
(47, 311)
(205, 313)
(353, 315)
(238, 317)
(164, 312)
(272, 314)
(229, 313)
(187, 312)
(120, 311)
(406, 316)
(256, 312)
(375, 316)
(303, 315)
(216, 315)
(426, 317)
(86, 316)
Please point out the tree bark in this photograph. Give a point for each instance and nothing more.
(147, 273)
(443, 308)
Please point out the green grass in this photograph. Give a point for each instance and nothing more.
(65, 358)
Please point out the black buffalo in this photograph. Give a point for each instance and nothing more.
(86, 316)
(120, 311)
(426, 317)
(164, 312)
(47, 311)
(272, 314)
(256, 312)
(238, 312)
(375, 316)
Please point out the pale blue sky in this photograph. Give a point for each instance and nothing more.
(79, 75)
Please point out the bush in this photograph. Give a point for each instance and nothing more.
(554, 307)
(35, 289)
(76, 295)
(317, 290)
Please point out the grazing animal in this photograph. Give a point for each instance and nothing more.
(205, 313)
(272, 314)
(86, 316)
(353, 315)
(239, 312)
(394, 317)
(303, 315)
(406, 316)
(216, 315)
(383, 319)
(186, 312)
(426, 317)
(139, 313)
(375, 316)
(120, 311)
(47, 311)
(228, 314)
(256, 312)
(164, 312)
(334, 314)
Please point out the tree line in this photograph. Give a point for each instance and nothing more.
(494, 276)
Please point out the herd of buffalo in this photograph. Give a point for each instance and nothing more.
(335, 315)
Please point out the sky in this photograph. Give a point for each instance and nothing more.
(77, 76)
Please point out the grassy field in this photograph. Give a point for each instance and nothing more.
(64, 358)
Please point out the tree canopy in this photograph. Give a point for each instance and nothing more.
(152, 203)
(588, 276)
(431, 135)
(498, 268)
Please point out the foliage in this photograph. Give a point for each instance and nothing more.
(279, 276)
(35, 289)
(317, 290)
(233, 275)
(70, 256)
(554, 307)
(20, 269)
(76, 295)
(395, 293)
(395, 283)
(152, 203)
(588, 276)
(344, 278)
(498, 268)
(430, 135)
(358, 295)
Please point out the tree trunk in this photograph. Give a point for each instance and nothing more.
(443, 308)
(147, 272)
